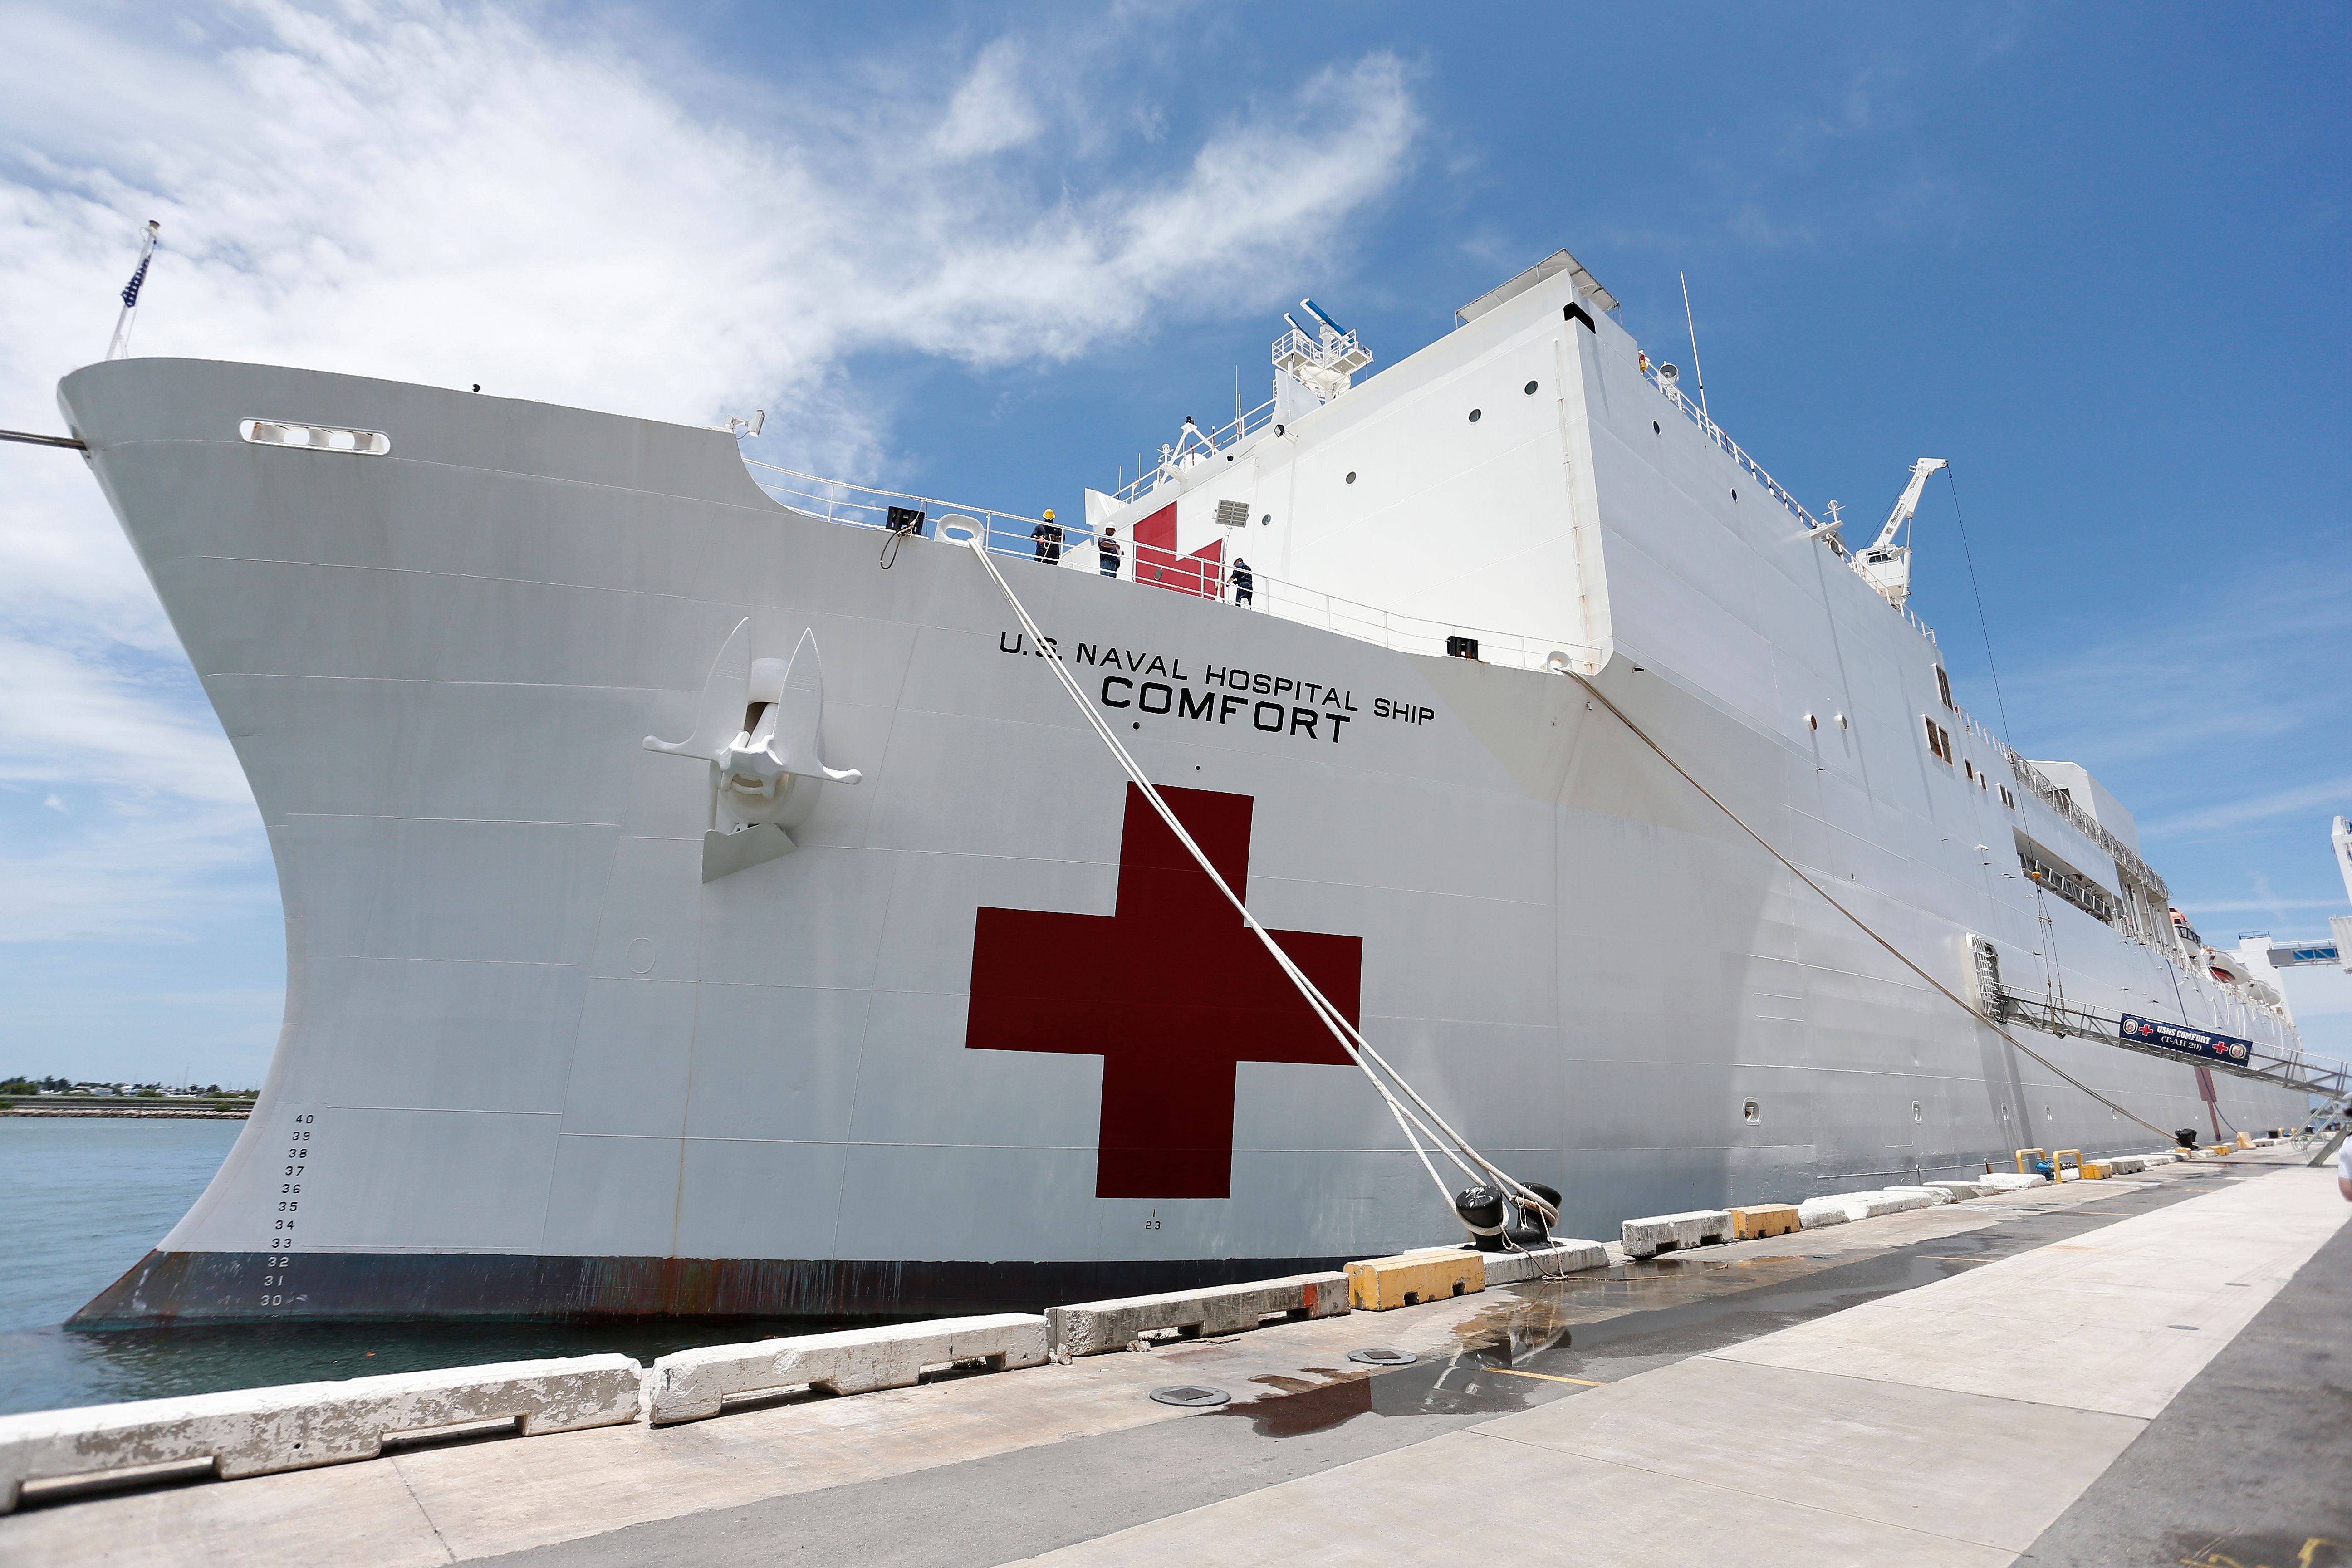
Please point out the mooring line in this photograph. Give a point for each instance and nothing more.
(1351, 1040)
(1860, 924)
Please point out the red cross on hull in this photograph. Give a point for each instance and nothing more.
(1171, 992)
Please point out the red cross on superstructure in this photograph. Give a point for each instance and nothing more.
(1172, 992)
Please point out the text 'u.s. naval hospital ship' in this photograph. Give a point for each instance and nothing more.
(639, 962)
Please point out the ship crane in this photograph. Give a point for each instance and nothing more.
(1885, 564)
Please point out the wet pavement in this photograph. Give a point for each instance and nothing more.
(978, 1470)
(1515, 1349)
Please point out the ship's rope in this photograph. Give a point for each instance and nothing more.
(1393, 1087)
(1861, 925)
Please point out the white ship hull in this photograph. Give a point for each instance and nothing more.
(964, 1045)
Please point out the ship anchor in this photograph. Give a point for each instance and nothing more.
(756, 727)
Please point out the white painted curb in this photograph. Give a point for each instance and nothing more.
(1815, 1212)
(1562, 1256)
(255, 1431)
(1661, 1232)
(1090, 1328)
(692, 1385)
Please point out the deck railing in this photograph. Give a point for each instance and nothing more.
(1715, 433)
(1009, 534)
(1221, 440)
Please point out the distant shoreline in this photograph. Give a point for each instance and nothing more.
(130, 1113)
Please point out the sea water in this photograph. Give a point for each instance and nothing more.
(83, 1198)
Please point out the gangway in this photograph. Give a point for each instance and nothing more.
(2297, 1073)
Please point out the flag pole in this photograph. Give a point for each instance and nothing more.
(121, 344)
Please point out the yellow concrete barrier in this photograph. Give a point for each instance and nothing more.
(2058, 1164)
(2244, 1141)
(1759, 1220)
(2094, 1172)
(1383, 1284)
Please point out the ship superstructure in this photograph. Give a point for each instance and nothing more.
(701, 898)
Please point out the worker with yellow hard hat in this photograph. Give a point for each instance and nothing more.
(1048, 538)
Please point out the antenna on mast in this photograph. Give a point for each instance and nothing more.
(1696, 369)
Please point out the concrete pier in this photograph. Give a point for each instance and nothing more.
(2141, 1369)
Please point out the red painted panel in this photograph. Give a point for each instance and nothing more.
(1171, 992)
(1156, 562)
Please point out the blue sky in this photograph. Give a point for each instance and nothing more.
(2092, 255)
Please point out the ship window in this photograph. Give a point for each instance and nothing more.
(1351, 476)
(1529, 389)
(1917, 1115)
(314, 437)
(1939, 739)
(1750, 1112)
(1735, 495)
(1970, 769)
(1944, 688)
(1477, 415)
(1654, 429)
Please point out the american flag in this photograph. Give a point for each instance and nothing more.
(130, 290)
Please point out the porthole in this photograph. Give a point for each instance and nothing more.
(1475, 414)
(1351, 476)
(1654, 429)
(1529, 389)
(1735, 495)
(1811, 722)
(1750, 1112)
(1266, 522)
(1917, 1115)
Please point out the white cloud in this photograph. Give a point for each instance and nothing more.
(128, 730)
(2334, 793)
(995, 108)
(452, 193)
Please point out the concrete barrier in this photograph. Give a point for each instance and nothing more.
(255, 1431)
(1672, 1232)
(1090, 1328)
(1815, 1212)
(1408, 1280)
(1963, 1191)
(1881, 1202)
(1562, 1256)
(1753, 1222)
(2003, 1182)
(691, 1386)
(1931, 1192)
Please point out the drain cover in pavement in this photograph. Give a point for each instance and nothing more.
(1192, 1397)
(1384, 1358)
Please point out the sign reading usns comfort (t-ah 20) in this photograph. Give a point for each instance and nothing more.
(2181, 1037)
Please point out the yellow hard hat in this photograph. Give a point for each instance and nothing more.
(1049, 514)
